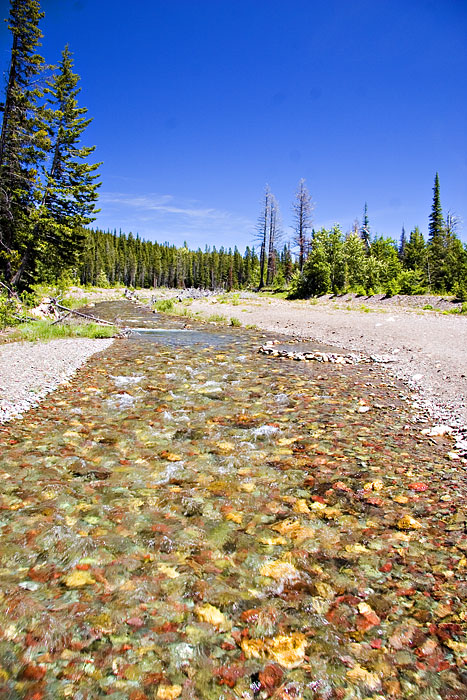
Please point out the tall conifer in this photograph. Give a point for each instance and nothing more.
(365, 230)
(22, 141)
(436, 242)
(68, 185)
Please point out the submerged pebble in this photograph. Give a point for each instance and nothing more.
(279, 543)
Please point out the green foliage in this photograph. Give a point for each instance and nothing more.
(165, 305)
(316, 276)
(23, 141)
(101, 280)
(48, 188)
(411, 282)
(392, 288)
(461, 310)
(460, 291)
(217, 318)
(360, 291)
(8, 311)
(128, 260)
(235, 322)
(355, 257)
(44, 330)
(336, 263)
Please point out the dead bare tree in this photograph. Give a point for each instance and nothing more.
(302, 207)
(274, 237)
(262, 229)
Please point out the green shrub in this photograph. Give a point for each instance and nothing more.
(391, 288)
(235, 322)
(460, 291)
(165, 305)
(102, 280)
(410, 282)
(359, 290)
(8, 311)
(216, 318)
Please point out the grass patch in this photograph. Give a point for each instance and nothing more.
(164, 305)
(252, 327)
(186, 313)
(235, 322)
(43, 330)
(460, 310)
(216, 318)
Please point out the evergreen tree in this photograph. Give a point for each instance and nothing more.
(316, 275)
(436, 225)
(415, 251)
(436, 242)
(402, 244)
(287, 263)
(68, 186)
(365, 229)
(22, 140)
(334, 245)
(354, 252)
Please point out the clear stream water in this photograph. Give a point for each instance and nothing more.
(191, 519)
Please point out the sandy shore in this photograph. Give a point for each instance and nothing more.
(429, 349)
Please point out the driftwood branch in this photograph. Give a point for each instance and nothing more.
(11, 292)
(79, 313)
(60, 319)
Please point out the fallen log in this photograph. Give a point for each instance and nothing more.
(80, 314)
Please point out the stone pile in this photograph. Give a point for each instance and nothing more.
(318, 356)
(194, 293)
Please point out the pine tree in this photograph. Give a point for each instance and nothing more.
(22, 140)
(436, 225)
(302, 208)
(402, 244)
(365, 229)
(69, 187)
(415, 251)
(436, 242)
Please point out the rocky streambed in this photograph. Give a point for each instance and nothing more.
(189, 519)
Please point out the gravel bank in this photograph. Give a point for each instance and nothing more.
(429, 349)
(30, 371)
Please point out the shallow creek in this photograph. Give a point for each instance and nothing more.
(190, 519)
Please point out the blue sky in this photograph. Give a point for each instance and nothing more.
(197, 104)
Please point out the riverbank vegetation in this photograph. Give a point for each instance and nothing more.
(44, 330)
(313, 262)
(48, 194)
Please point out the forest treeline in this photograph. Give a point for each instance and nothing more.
(327, 260)
(111, 258)
(49, 190)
